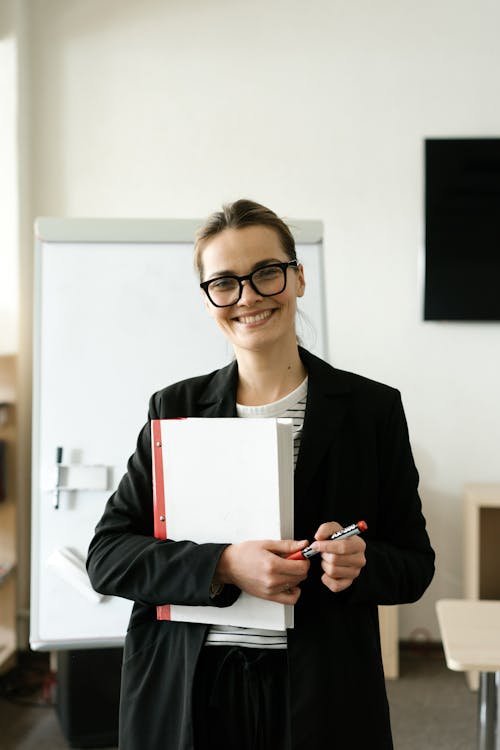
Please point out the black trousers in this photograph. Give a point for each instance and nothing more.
(241, 699)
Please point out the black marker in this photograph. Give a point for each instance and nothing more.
(59, 454)
(352, 530)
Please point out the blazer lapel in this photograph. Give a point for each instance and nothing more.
(327, 403)
(219, 397)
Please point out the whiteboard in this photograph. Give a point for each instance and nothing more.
(118, 315)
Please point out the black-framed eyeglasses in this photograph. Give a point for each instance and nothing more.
(267, 281)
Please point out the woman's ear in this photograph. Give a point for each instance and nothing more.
(301, 281)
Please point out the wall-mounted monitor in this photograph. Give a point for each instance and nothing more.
(462, 229)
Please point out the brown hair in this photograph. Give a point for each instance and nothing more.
(242, 213)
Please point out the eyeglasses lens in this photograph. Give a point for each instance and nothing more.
(224, 291)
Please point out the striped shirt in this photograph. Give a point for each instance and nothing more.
(292, 406)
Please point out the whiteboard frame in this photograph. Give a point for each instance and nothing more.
(109, 230)
(50, 229)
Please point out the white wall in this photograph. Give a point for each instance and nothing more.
(318, 109)
(9, 272)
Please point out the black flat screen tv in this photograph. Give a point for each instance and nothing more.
(462, 229)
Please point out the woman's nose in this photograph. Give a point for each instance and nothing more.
(248, 293)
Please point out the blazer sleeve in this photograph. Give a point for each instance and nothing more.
(399, 558)
(125, 559)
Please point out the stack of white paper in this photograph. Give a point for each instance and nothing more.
(225, 480)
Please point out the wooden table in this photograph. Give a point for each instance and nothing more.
(471, 638)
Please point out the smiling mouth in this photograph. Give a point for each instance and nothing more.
(257, 318)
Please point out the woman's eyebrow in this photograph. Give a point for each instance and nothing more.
(259, 264)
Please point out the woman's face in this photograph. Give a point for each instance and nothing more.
(254, 322)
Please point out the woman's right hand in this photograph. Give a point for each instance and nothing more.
(260, 568)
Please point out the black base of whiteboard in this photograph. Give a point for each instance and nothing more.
(88, 695)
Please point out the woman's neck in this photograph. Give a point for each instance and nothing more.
(264, 377)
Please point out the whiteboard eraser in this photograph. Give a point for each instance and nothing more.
(71, 568)
(82, 477)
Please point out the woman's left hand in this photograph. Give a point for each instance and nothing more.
(341, 560)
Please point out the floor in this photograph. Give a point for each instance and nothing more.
(432, 707)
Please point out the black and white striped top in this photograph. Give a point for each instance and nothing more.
(292, 406)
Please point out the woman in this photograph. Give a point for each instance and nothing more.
(188, 685)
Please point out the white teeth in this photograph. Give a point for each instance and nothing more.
(255, 318)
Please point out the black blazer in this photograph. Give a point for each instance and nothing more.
(354, 462)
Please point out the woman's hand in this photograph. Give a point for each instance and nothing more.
(260, 568)
(341, 560)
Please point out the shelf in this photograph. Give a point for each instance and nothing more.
(7, 623)
(7, 532)
(7, 568)
(7, 380)
(482, 551)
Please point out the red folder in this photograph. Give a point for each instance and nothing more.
(160, 523)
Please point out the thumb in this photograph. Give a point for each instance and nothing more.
(286, 546)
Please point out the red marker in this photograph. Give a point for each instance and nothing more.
(352, 530)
